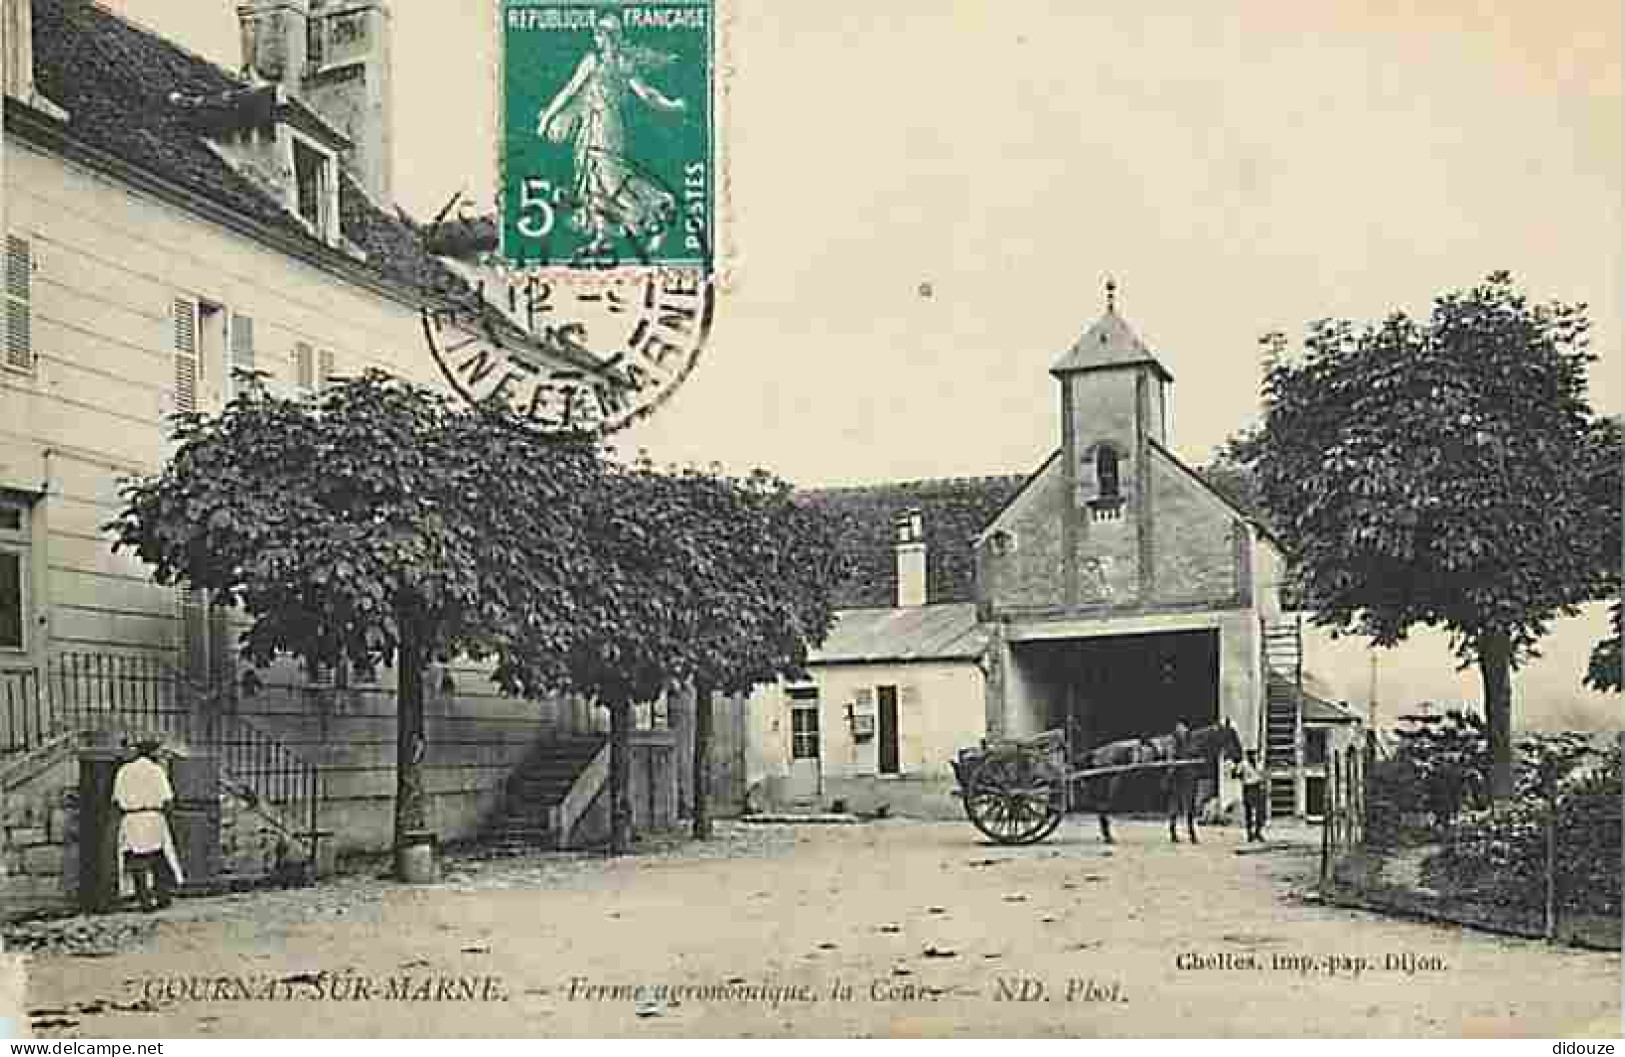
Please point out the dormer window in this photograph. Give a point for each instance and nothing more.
(909, 527)
(316, 189)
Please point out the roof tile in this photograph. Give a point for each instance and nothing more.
(954, 512)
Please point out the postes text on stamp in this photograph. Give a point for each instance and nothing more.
(608, 133)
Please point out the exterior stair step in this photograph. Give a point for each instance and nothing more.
(538, 784)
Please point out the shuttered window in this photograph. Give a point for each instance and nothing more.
(304, 367)
(312, 368)
(241, 354)
(19, 304)
(188, 368)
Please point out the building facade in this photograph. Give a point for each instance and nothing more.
(168, 223)
(1113, 593)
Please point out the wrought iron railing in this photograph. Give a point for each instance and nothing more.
(146, 695)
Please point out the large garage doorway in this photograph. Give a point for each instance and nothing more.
(1126, 686)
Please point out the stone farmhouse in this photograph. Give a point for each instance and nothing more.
(1112, 592)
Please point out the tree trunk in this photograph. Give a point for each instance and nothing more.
(411, 809)
(620, 775)
(703, 722)
(1495, 665)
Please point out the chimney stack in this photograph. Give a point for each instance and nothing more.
(17, 57)
(18, 34)
(275, 36)
(910, 534)
(335, 56)
(350, 83)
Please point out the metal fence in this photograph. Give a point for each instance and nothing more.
(1541, 865)
(1343, 826)
(135, 695)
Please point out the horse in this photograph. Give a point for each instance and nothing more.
(1179, 785)
(1206, 744)
(1104, 789)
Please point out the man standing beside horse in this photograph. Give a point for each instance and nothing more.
(1180, 784)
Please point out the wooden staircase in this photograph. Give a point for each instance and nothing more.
(538, 786)
(1283, 711)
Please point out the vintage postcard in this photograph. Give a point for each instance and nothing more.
(717, 519)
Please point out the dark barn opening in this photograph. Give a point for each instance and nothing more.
(1125, 686)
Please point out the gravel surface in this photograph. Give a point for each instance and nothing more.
(887, 928)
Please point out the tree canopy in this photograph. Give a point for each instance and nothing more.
(703, 580)
(376, 524)
(380, 524)
(1443, 472)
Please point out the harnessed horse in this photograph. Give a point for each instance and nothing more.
(1180, 783)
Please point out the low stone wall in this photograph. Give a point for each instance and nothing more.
(40, 835)
(903, 797)
(39, 796)
(475, 737)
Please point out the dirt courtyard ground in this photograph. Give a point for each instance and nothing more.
(886, 929)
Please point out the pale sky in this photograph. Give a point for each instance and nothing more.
(1238, 166)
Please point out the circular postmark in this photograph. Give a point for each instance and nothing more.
(587, 297)
(588, 344)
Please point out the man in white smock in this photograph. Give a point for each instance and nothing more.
(142, 792)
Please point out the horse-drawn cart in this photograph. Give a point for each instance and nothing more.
(1015, 790)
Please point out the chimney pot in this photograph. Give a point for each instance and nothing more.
(910, 547)
(275, 40)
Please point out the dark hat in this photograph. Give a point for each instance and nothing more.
(148, 743)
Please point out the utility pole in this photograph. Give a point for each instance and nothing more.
(1371, 698)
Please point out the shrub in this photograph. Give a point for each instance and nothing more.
(1395, 794)
(1500, 855)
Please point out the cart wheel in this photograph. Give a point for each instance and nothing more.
(1011, 802)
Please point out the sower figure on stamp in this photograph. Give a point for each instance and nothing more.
(591, 110)
(142, 792)
(1252, 794)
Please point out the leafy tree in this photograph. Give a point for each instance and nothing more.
(1606, 450)
(1439, 473)
(700, 580)
(1450, 757)
(1603, 671)
(374, 524)
(764, 600)
(632, 615)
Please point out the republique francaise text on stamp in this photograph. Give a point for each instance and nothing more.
(606, 220)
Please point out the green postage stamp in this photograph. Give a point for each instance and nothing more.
(609, 133)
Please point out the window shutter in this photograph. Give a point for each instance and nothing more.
(910, 724)
(242, 352)
(324, 368)
(1088, 481)
(19, 304)
(188, 370)
(304, 367)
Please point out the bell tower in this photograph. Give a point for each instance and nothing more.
(1114, 403)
